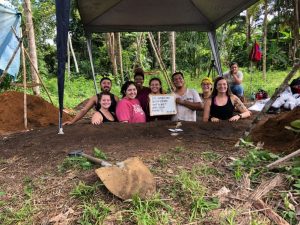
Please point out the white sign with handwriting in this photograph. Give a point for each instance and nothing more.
(162, 105)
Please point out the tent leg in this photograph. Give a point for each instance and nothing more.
(214, 47)
(89, 46)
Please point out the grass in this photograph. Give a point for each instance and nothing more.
(84, 191)
(94, 213)
(77, 162)
(151, 211)
(253, 163)
(193, 194)
(205, 170)
(210, 156)
(22, 215)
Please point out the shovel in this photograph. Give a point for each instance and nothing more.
(125, 179)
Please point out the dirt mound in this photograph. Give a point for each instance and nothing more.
(275, 136)
(39, 112)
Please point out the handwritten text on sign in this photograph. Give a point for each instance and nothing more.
(162, 105)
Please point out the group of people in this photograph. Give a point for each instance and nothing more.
(216, 100)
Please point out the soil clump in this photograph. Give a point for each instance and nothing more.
(273, 134)
(40, 113)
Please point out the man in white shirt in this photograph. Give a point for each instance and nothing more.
(187, 100)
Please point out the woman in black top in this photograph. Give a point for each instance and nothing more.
(104, 115)
(222, 104)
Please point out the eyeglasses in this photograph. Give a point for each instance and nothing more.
(205, 84)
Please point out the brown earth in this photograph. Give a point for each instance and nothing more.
(40, 113)
(275, 136)
(37, 154)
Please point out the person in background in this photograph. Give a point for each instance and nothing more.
(206, 86)
(234, 78)
(129, 109)
(105, 85)
(187, 100)
(104, 115)
(222, 104)
(142, 91)
(156, 89)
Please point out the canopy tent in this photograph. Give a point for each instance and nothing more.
(9, 18)
(145, 15)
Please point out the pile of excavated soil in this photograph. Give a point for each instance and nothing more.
(275, 136)
(40, 113)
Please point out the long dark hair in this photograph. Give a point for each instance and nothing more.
(215, 91)
(125, 87)
(157, 79)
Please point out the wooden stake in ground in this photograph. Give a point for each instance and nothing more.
(25, 87)
(285, 158)
(265, 209)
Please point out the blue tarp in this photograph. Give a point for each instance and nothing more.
(9, 18)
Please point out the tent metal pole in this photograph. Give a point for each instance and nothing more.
(214, 47)
(89, 46)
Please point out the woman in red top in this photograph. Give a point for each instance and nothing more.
(129, 109)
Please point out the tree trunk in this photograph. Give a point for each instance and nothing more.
(110, 40)
(296, 30)
(32, 45)
(265, 29)
(119, 56)
(172, 50)
(158, 43)
(248, 28)
(139, 40)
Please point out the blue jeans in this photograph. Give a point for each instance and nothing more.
(237, 89)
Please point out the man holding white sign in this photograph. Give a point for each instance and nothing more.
(187, 100)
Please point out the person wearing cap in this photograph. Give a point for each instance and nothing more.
(206, 86)
(234, 78)
(105, 85)
(142, 91)
(187, 100)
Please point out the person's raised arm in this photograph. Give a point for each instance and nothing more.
(83, 111)
(197, 103)
(237, 79)
(190, 105)
(97, 118)
(206, 112)
(244, 112)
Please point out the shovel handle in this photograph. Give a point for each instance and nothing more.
(96, 160)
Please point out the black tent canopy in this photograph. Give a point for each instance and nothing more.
(144, 15)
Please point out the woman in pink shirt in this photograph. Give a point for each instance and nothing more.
(129, 109)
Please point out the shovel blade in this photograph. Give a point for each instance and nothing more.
(134, 178)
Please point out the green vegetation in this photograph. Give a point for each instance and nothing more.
(83, 191)
(210, 156)
(77, 162)
(150, 212)
(23, 215)
(254, 164)
(99, 154)
(94, 213)
(204, 170)
(189, 190)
